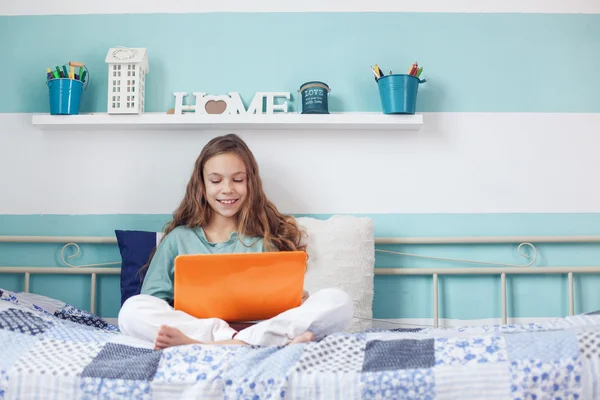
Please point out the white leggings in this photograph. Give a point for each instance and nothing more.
(325, 312)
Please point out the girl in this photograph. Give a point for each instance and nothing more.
(226, 210)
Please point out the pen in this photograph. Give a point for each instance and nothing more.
(374, 73)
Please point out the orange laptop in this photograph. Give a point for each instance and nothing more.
(239, 287)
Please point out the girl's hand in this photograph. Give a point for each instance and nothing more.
(305, 296)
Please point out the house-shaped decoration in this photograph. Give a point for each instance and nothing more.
(127, 69)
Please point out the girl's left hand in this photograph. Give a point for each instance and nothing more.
(305, 296)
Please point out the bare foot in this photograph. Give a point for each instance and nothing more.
(304, 338)
(168, 336)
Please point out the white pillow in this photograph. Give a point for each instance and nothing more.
(341, 254)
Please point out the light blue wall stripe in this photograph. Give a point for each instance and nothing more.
(395, 297)
(474, 62)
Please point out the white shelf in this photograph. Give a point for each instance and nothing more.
(293, 121)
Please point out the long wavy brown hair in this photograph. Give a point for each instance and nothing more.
(258, 216)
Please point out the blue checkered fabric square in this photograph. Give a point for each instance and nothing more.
(542, 346)
(23, 322)
(383, 355)
(117, 361)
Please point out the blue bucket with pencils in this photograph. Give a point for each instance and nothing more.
(398, 93)
(65, 89)
(65, 96)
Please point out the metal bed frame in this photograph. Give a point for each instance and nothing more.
(503, 271)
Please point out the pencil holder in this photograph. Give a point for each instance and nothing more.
(399, 93)
(314, 98)
(65, 96)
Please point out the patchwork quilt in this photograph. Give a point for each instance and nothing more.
(51, 350)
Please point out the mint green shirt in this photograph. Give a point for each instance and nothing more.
(158, 281)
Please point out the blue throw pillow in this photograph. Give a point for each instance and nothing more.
(135, 248)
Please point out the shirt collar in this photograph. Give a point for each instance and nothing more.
(233, 236)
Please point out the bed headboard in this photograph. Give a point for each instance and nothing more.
(382, 244)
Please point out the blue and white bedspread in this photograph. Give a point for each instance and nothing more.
(50, 350)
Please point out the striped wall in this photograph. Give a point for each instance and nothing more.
(509, 145)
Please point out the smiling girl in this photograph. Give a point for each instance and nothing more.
(225, 210)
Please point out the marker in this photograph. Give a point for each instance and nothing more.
(83, 76)
(57, 72)
(65, 74)
(419, 72)
(49, 74)
(74, 64)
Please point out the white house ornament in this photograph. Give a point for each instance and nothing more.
(127, 69)
(231, 103)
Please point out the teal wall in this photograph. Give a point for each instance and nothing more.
(473, 62)
(395, 297)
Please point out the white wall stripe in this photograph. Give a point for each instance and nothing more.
(44, 7)
(457, 163)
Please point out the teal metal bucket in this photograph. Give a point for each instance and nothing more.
(65, 96)
(398, 93)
